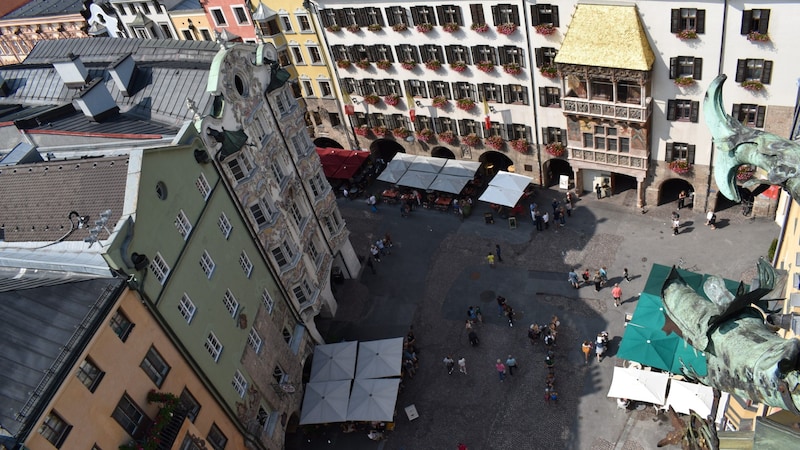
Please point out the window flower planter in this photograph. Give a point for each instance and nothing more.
(391, 99)
(755, 36)
(383, 64)
(447, 137)
(471, 140)
(753, 85)
(685, 35)
(680, 166)
(425, 135)
(334, 28)
(353, 28)
(372, 99)
(424, 27)
(152, 439)
(507, 28)
(363, 64)
(479, 27)
(440, 102)
(409, 64)
(362, 130)
(400, 132)
(744, 173)
(555, 149)
(520, 145)
(433, 64)
(400, 27)
(379, 131)
(683, 81)
(450, 27)
(545, 29)
(465, 104)
(512, 68)
(485, 66)
(343, 64)
(374, 27)
(548, 71)
(458, 66)
(496, 142)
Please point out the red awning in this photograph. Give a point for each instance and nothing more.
(341, 164)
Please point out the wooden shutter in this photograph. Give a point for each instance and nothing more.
(390, 18)
(514, 14)
(543, 97)
(462, 127)
(494, 16)
(415, 15)
(480, 92)
(761, 115)
(476, 55)
(736, 111)
(431, 88)
(673, 68)
(668, 155)
(698, 69)
(747, 21)
(508, 131)
(701, 21)
(535, 15)
(372, 53)
(554, 8)
(362, 18)
(763, 23)
(503, 54)
(528, 133)
(524, 95)
(690, 154)
(389, 54)
(766, 72)
(440, 13)
(545, 135)
(675, 21)
(562, 137)
(380, 87)
(539, 54)
(448, 52)
(506, 94)
(476, 10)
(694, 112)
(671, 109)
(459, 16)
(741, 70)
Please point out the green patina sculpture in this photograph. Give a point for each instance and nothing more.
(737, 145)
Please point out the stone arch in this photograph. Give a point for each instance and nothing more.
(325, 142)
(442, 152)
(669, 190)
(385, 149)
(494, 162)
(553, 168)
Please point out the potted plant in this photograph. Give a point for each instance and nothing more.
(753, 85)
(458, 66)
(391, 99)
(520, 145)
(471, 140)
(425, 135)
(545, 29)
(479, 27)
(383, 64)
(400, 132)
(494, 141)
(465, 104)
(755, 36)
(363, 63)
(424, 27)
(507, 28)
(379, 131)
(371, 99)
(548, 71)
(334, 28)
(683, 81)
(409, 64)
(680, 166)
(433, 64)
(555, 148)
(448, 137)
(485, 66)
(440, 101)
(450, 27)
(745, 172)
(374, 27)
(152, 439)
(687, 34)
(343, 63)
(400, 27)
(353, 28)
(362, 130)
(512, 68)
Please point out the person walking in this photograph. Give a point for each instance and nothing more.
(555, 205)
(711, 220)
(600, 345)
(568, 207)
(509, 311)
(585, 276)
(625, 275)
(449, 364)
(376, 254)
(599, 190)
(501, 370)
(676, 223)
(473, 338)
(573, 279)
(372, 202)
(490, 260)
(598, 282)
(603, 275)
(511, 363)
(586, 347)
(497, 252)
(501, 305)
(681, 199)
(616, 292)
(462, 365)
(537, 220)
(546, 220)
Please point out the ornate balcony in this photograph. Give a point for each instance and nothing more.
(607, 110)
(615, 159)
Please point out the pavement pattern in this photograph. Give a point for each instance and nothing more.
(438, 269)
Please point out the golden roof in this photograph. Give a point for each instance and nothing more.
(606, 36)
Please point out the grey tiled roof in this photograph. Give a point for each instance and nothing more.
(42, 8)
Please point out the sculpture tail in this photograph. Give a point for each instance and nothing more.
(724, 129)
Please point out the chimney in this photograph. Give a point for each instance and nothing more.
(96, 102)
(72, 71)
(122, 71)
(3, 87)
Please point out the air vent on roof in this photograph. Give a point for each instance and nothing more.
(3, 86)
(122, 71)
(72, 71)
(96, 102)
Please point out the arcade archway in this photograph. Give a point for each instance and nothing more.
(324, 142)
(553, 169)
(494, 162)
(385, 149)
(621, 183)
(442, 152)
(671, 189)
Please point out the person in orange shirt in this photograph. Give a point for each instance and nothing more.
(616, 292)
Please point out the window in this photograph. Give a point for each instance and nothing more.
(186, 308)
(629, 92)
(283, 103)
(297, 216)
(224, 225)
(241, 15)
(445, 124)
(489, 92)
(553, 135)
(254, 340)
(423, 14)
(688, 19)
(121, 325)
(440, 89)
(277, 170)
(313, 252)
(683, 110)
(545, 56)
(145, 8)
(219, 17)
(386, 87)
(206, 34)
(262, 213)
(431, 52)
(308, 88)
(89, 374)
(213, 345)
(183, 225)
(755, 21)
(283, 254)
(55, 429)
(279, 375)
(287, 24)
(244, 262)
(519, 131)
(464, 90)
(230, 302)
(504, 13)
(416, 88)
(549, 96)
(457, 53)
(187, 35)
(406, 52)
(316, 56)
(154, 366)
(159, 268)
(754, 70)
(202, 186)
(190, 404)
(316, 184)
(239, 384)
(287, 335)
(381, 52)
(450, 14)
(481, 53)
(372, 15)
(468, 126)
(510, 54)
(685, 67)
(207, 264)
(268, 302)
(476, 11)
(544, 14)
(297, 54)
(396, 15)
(215, 438)
(305, 25)
(332, 222)
(129, 415)
(325, 88)
(750, 115)
(301, 292)
(679, 151)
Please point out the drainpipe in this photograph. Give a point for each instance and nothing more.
(793, 135)
(535, 132)
(719, 72)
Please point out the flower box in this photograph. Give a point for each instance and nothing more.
(753, 85)
(485, 66)
(152, 438)
(334, 28)
(686, 35)
(372, 99)
(433, 64)
(400, 132)
(683, 81)
(400, 27)
(520, 145)
(447, 137)
(507, 28)
(496, 142)
(680, 166)
(548, 71)
(343, 64)
(424, 135)
(374, 27)
(363, 64)
(458, 66)
(512, 68)
(755, 36)
(465, 104)
(744, 173)
(450, 27)
(555, 148)
(471, 140)
(545, 29)
(391, 99)
(424, 27)
(353, 28)
(362, 130)
(383, 64)
(440, 102)
(409, 64)
(479, 27)
(380, 131)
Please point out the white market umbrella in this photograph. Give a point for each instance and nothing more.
(510, 180)
(449, 183)
(642, 385)
(460, 168)
(501, 196)
(427, 164)
(325, 402)
(379, 359)
(394, 171)
(686, 397)
(415, 179)
(334, 362)
(373, 399)
(404, 157)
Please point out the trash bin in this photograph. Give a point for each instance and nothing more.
(336, 275)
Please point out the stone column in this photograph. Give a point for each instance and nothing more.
(578, 177)
(640, 193)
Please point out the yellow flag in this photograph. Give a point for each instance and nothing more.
(485, 107)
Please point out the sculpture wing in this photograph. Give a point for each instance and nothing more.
(766, 281)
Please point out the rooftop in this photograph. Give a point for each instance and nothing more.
(43, 8)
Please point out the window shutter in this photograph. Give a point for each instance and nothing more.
(389, 54)
(673, 68)
(325, 18)
(372, 53)
(506, 94)
(761, 115)
(448, 52)
(362, 18)
(380, 86)
(668, 155)
(431, 88)
(675, 21)
(741, 69)
(554, 8)
(515, 14)
(494, 16)
(415, 15)
(545, 135)
(462, 127)
(736, 111)
(539, 54)
(459, 16)
(694, 112)
(440, 13)
(543, 97)
(562, 137)
(766, 72)
(476, 55)
(747, 21)
(480, 92)
(409, 91)
(701, 21)
(525, 95)
(476, 10)
(528, 133)
(698, 69)
(503, 53)
(534, 15)
(690, 154)
(390, 19)
(352, 53)
(763, 23)
(671, 109)
(521, 58)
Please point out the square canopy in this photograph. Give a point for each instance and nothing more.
(427, 164)
(686, 397)
(325, 402)
(415, 179)
(501, 196)
(334, 362)
(379, 359)
(460, 168)
(396, 168)
(373, 399)
(510, 180)
(449, 183)
(640, 385)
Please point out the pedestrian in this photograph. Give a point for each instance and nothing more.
(681, 199)
(569, 197)
(585, 276)
(676, 223)
(478, 314)
(462, 365)
(534, 333)
(468, 326)
(616, 292)
(603, 275)
(376, 254)
(546, 220)
(510, 314)
(403, 210)
(461, 446)
(472, 314)
(625, 275)
(501, 370)
(473, 338)
(387, 241)
(449, 364)
(586, 347)
(568, 207)
(370, 264)
(598, 282)
(501, 303)
(547, 395)
(554, 396)
(490, 260)
(417, 197)
(573, 279)
(562, 216)
(537, 220)
(599, 190)
(372, 202)
(555, 205)
(711, 220)
(498, 252)
(381, 248)
(511, 363)
(600, 345)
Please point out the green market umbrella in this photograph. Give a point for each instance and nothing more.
(648, 346)
(649, 312)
